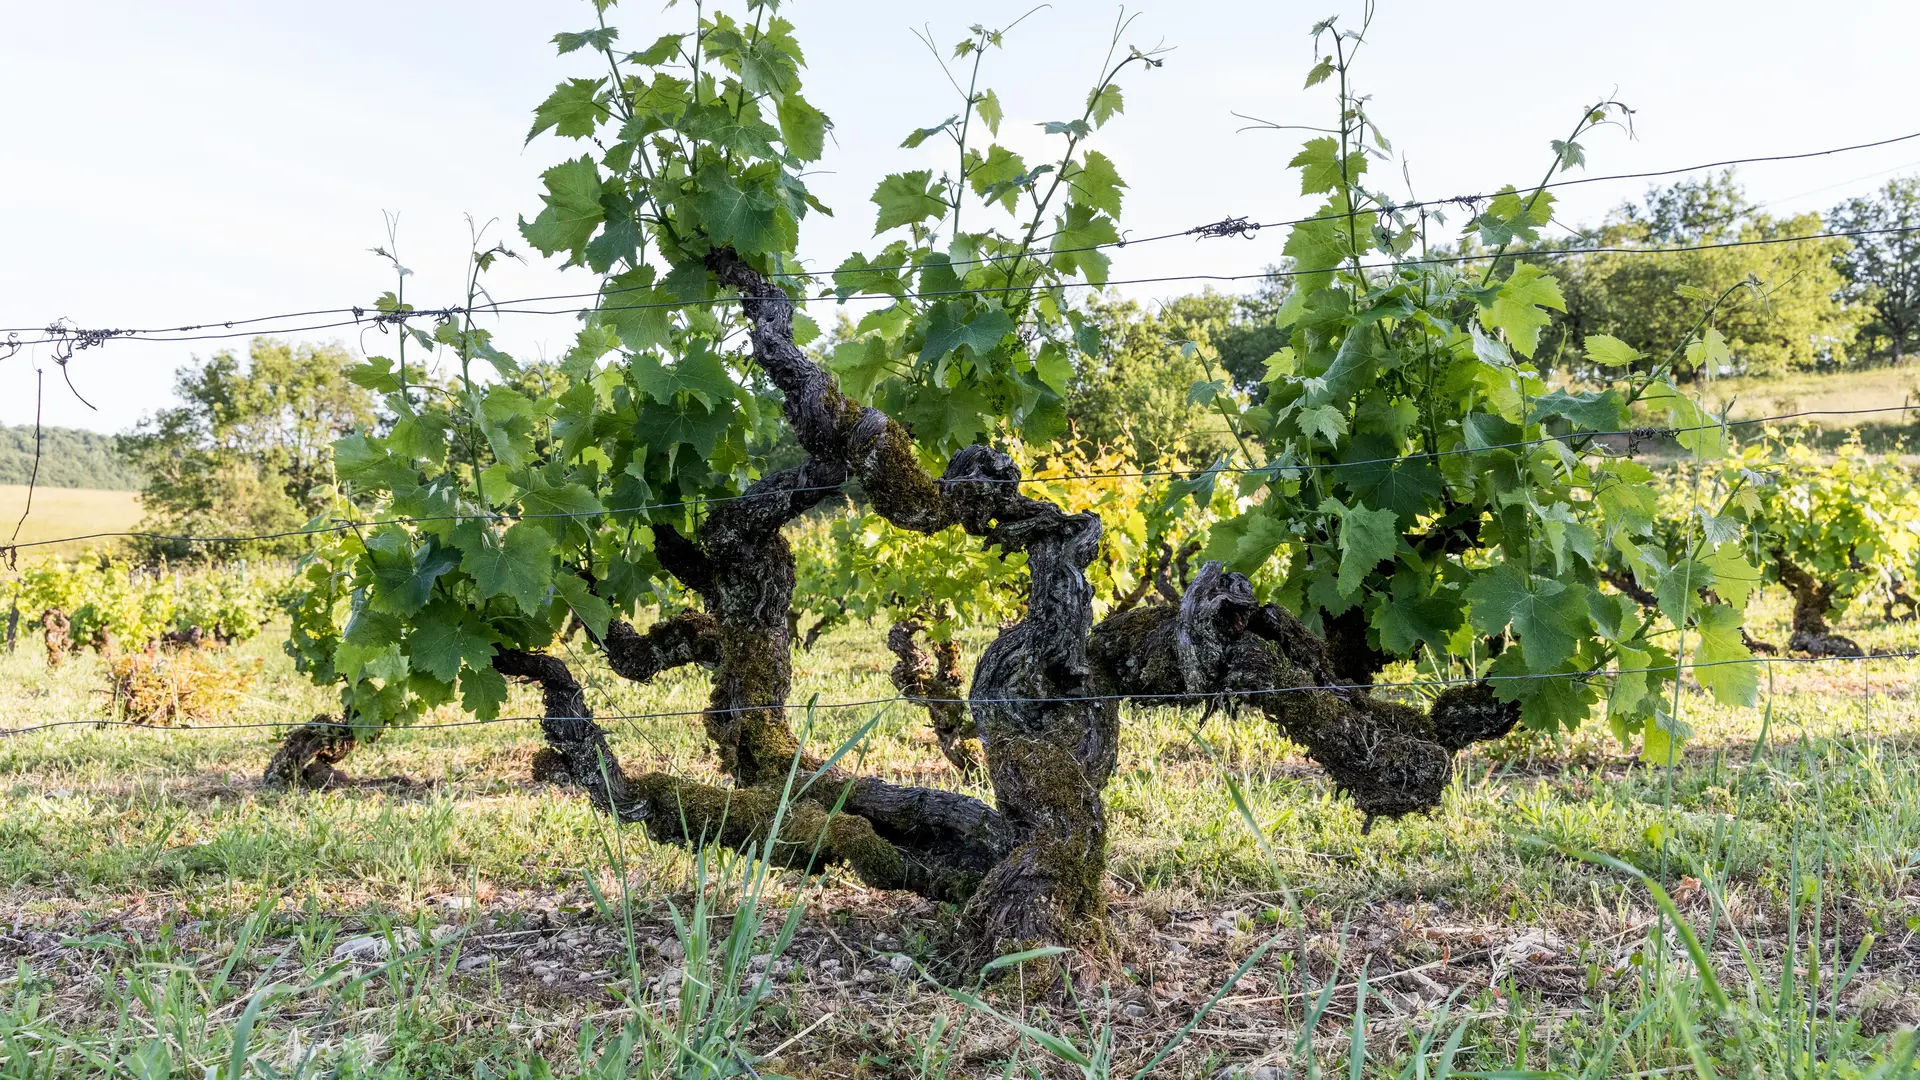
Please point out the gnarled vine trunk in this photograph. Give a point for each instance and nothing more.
(1045, 695)
(1812, 600)
(308, 755)
(931, 676)
(57, 629)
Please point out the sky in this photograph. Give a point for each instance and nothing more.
(202, 161)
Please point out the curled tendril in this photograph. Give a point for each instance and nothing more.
(1233, 226)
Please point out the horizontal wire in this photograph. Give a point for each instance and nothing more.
(383, 319)
(1225, 227)
(1196, 698)
(344, 526)
(94, 338)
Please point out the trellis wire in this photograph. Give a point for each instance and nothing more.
(1589, 673)
(9, 551)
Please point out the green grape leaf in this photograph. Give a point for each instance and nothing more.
(1315, 246)
(988, 105)
(592, 611)
(573, 208)
(482, 692)
(689, 423)
(1605, 350)
(1098, 183)
(1105, 103)
(1733, 577)
(1000, 173)
(949, 328)
(803, 128)
(1710, 353)
(640, 314)
(664, 48)
(1631, 684)
(1409, 488)
(1320, 164)
(1546, 704)
(600, 37)
(572, 111)
(699, 374)
(859, 365)
(445, 635)
(743, 214)
(921, 135)
(517, 564)
(906, 199)
(1699, 431)
(948, 417)
(1520, 305)
(716, 125)
(1367, 538)
(1678, 588)
(1541, 612)
(359, 460)
(1326, 421)
(505, 417)
(1605, 410)
(1078, 234)
(1404, 618)
(1054, 368)
(1717, 658)
(403, 582)
(1245, 543)
(1662, 737)
(557, 506)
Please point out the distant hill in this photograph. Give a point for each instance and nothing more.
(69, 458)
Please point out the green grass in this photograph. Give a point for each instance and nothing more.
(62, 512)
(155, 895)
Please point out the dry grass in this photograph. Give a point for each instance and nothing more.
(61, 512)
(179, 686)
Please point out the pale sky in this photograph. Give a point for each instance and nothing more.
(200, 160)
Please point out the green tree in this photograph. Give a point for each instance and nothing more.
(1252, 335)
(1133, 395)
(67, 458)
(1883, 272)
(1792, 319)
(248, 449)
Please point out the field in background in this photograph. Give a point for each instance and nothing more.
(489, 914)
(1875, 388)
(60, 512)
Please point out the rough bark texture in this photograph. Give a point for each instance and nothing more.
(1045, 695)
(1392, 759)
(1631, 589)
(932, 677)
(307, 756)
(1812, 600)
(58, 630)
(690, 637)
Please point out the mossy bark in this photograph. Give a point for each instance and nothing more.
(308, 757)
(1219, 646)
